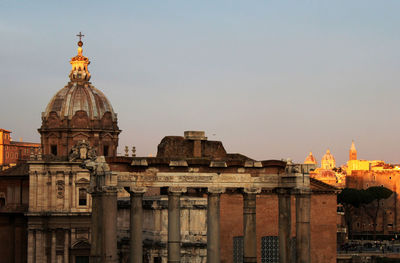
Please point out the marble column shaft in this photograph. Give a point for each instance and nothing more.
(249, 227)
(303, 206)
(213, 225)
(174, 225)
(284, 225)
(109, 211)
(31, 246)
(136, 226)
(96, 228)
(66, 246)
(39, 246)
(53, 246)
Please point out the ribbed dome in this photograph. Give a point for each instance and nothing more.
(328, 161)
(79, 112)
(79, 97)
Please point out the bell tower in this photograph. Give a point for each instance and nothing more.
(352, 152)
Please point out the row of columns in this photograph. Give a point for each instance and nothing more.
(213, 225)
(37, 246)
(303, 206)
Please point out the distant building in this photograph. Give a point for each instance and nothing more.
(328, 161)
(310, 159)
(12, 151)
(328, 172)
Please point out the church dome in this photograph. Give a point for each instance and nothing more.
(79, 112)
(328, 161)
(310, 159)
(77, 97)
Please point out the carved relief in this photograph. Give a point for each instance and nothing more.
(82, 151)
(60, 189)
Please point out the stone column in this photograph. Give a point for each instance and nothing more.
(303, 206)
(66, 192)
(39, 246)
(73, 192)
(31, 246)
(213, 221)
(54, 191)
(109, 211)
(284, 225)
(249, 225)
(96, 228)
(66, 246)
(174, 225)
(136, 225)
(53, 245)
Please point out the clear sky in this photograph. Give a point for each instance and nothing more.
(271, 79)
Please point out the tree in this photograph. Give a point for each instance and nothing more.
(369, 199)
(350, 198)
(373, 197)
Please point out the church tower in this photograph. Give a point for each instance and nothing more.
(352, 152)
(79, 112)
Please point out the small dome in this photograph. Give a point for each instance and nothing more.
(310, 159)
(328, 161)
(79, 97)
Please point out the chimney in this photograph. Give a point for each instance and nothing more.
(196, 137)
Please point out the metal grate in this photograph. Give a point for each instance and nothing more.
(270, 249)
(238, 249)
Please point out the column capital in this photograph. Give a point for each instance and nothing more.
(300, 191)
(109, 189)
(216, 190)
(252, 190)
(136, 190)
(284, 191)
(176, 190)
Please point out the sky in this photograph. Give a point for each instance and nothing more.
(270, 79)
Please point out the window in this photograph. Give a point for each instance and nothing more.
(2, 202)
(82, 196)
(105, 150)
(53, 149)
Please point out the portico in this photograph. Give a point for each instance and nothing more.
(213, 179)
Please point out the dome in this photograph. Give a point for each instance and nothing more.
(79, 112)
(328, 161)
(310, 159)
(79, 97)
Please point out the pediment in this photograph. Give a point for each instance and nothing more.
(82, 181)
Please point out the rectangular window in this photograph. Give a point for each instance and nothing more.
(82, 196)
(105, 150)
(54, 149)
